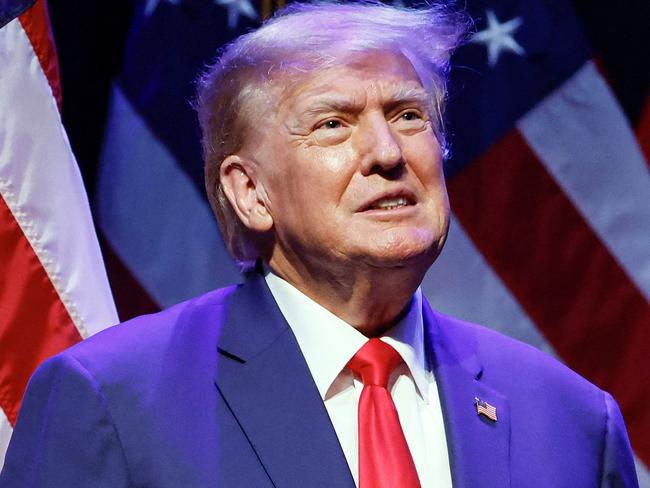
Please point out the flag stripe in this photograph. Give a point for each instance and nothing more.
(41, 184)
(36, 24)
(153, 217)
(560, 272)
(34, 324)
(5, 435)
(584, 140)
(30, 310)
(642, 473)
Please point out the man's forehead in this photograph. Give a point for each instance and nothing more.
(351, 84)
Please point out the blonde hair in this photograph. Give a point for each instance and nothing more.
(299, 40)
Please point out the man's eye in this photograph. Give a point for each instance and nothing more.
(410, 116)
(330, 124)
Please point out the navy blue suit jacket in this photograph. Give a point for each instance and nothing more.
(215, 392)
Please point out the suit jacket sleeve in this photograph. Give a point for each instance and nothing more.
(618, 463)
(64, 435)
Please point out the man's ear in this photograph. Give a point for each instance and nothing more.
(244, 192)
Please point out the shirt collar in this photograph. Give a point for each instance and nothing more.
(328, 343)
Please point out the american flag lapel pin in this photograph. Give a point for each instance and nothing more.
(485, 409)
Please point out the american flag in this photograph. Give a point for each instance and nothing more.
(53, 286)
(484, 408)
(550, 191)
(548, 180)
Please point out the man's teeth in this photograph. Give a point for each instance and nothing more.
(390, 203)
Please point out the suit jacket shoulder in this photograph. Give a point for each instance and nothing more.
(502, 358)
(143, 340)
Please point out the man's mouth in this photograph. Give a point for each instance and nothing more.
(389, 203)
(392, 200)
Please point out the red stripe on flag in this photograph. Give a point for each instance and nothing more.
(561, 273)
(643, 130)
(34, 324)
(36, 23)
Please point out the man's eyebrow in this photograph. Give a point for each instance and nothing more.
(334, 104)
(343, 104)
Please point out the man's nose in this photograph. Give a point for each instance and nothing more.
(381, 148)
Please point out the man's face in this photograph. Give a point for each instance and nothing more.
(352, 170)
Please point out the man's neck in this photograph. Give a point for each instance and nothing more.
(371, 301)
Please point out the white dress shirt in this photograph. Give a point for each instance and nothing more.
(328, 343)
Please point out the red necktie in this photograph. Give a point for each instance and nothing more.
(384, 457)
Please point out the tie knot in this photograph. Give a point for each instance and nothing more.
(374, 362)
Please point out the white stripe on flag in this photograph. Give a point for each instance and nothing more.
(462, 284)
(150, 212)
(584, 140)
(642, 473)
(5, 436)
(41, 183)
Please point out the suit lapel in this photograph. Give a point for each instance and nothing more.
(479, 448)
(266, 383)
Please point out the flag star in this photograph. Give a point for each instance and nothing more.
(152, 5)
(498, 37)
(237, 8)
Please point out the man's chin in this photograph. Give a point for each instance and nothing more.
(402, 257)
(405, 246)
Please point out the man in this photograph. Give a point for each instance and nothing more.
(324, 147)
